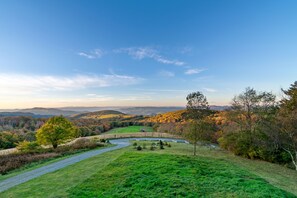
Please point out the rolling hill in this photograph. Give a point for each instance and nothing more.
(48, 111)
(80, 111)
(12, 114)
(105, 114)
(169, 117)
(148, 110)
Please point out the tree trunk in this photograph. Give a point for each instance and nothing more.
(294, 160)
(195, 144)
(55, 145)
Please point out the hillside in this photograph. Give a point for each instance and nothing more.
(48, 111)
(105, 114)
(148, 110)
(169, 117)
(72, 111)
(14, 114)
(172, 171)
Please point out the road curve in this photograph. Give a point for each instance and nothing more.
(24, 177)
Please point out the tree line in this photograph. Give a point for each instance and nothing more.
(256, 126)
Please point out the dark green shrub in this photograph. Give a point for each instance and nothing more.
(161, 142)
(139, 148)
(8, 140)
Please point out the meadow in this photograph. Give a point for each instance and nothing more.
(130, 129)
(169, 172)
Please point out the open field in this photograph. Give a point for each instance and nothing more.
(146, 175)
(169, 172)
(130, 129)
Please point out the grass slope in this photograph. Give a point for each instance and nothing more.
(171, 168)
(152, 175)
(56, 184)
(130, 129)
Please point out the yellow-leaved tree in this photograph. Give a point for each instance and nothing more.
(55, 131)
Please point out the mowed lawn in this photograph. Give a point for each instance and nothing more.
(130, 129)
(172, 172)
(152, 175)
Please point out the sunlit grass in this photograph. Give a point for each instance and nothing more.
(130, 129)
(137, 174)
(121, 171)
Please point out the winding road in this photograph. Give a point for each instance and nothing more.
(24, 177)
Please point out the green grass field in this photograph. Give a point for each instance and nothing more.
(172, 172)
(151, 175)
(130, 129)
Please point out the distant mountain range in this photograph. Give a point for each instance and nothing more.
(13, 114)
(48, 111)
(72, 111)
(219, 108)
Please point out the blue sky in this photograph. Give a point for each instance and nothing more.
(143, 53)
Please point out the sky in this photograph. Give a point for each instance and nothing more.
(60, 53)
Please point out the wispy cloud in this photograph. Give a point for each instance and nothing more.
(135, 98)
(186, 50)
(148, 52)
(25, 84)
(194, 71)
(165, 90)
(96, 97)
(91, 95)
(93, 54)
(210, 90)
(165, 73)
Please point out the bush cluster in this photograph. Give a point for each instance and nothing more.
(14, 161)
(32, 152)
(153, 146)
(84, 143)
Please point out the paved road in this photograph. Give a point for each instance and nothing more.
(24, 177)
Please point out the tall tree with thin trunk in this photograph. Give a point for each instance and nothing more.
(287, 120)
(197, 111)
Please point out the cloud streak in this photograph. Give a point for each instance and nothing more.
(193, 71)
(140, 53)
(24, 84)
(167, 74)
(96, 53)
(210, 90)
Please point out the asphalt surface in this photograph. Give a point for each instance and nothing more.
(24, 177)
